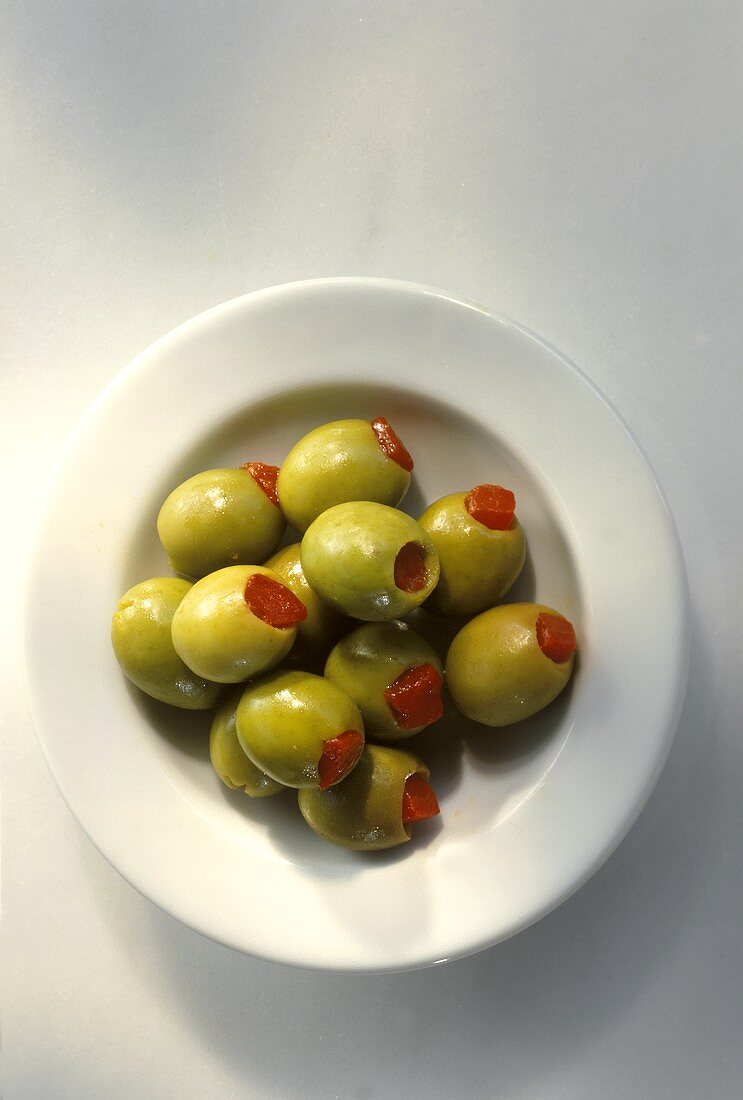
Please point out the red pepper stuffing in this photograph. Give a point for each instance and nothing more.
(273, 602)
(339, 755)
(491, 505)
(391, 444)
(419, 800)
(556, 637)
(411, 574)
(415, 697)
(266, 476)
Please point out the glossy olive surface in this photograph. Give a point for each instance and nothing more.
(218, 518)
(348, 556)
(335, 463)
(219, 637)
(323, 626)
(284, 720)
(364, 812)
(368, 661)
(495, 671)
(478, 566)
(142, 642)
(233, 766)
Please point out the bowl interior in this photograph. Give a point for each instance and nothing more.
(481, 775)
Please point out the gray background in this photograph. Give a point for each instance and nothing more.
(576, 165)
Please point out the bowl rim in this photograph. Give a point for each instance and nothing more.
(141, 364)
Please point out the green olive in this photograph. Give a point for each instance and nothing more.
(369, 661)
(323, 626)
(478, 566)
(351, 555)
(496, 671)
(236, 770)
(335, 463)
(364, 812)
(142, 642)
(218, 636)
(218, 518)
(285, 719)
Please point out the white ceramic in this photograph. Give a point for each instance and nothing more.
(527, 814)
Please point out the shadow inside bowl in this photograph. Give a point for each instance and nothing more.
(505, 748)
(185, 731)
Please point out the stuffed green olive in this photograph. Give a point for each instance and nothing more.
(393, 675)
(481, 549)
(142, 642)
(341, 461)
(510, 662)
(221, 517)
(376, 806)
(300, 729)
(369, 561)
(236, 623)
(233, 766)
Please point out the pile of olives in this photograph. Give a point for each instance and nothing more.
(330, 676)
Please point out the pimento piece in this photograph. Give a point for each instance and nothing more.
(391, 444)
(415, 697)
(266, 476)
(491, 505)
(411, 574)
(555, 637)
(273, 602)
(339, 755)
(419, 800)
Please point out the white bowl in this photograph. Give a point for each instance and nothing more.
(527, 813)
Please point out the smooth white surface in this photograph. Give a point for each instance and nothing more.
(526, 816)
(574, 165)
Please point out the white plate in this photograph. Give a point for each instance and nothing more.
(527, 814)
